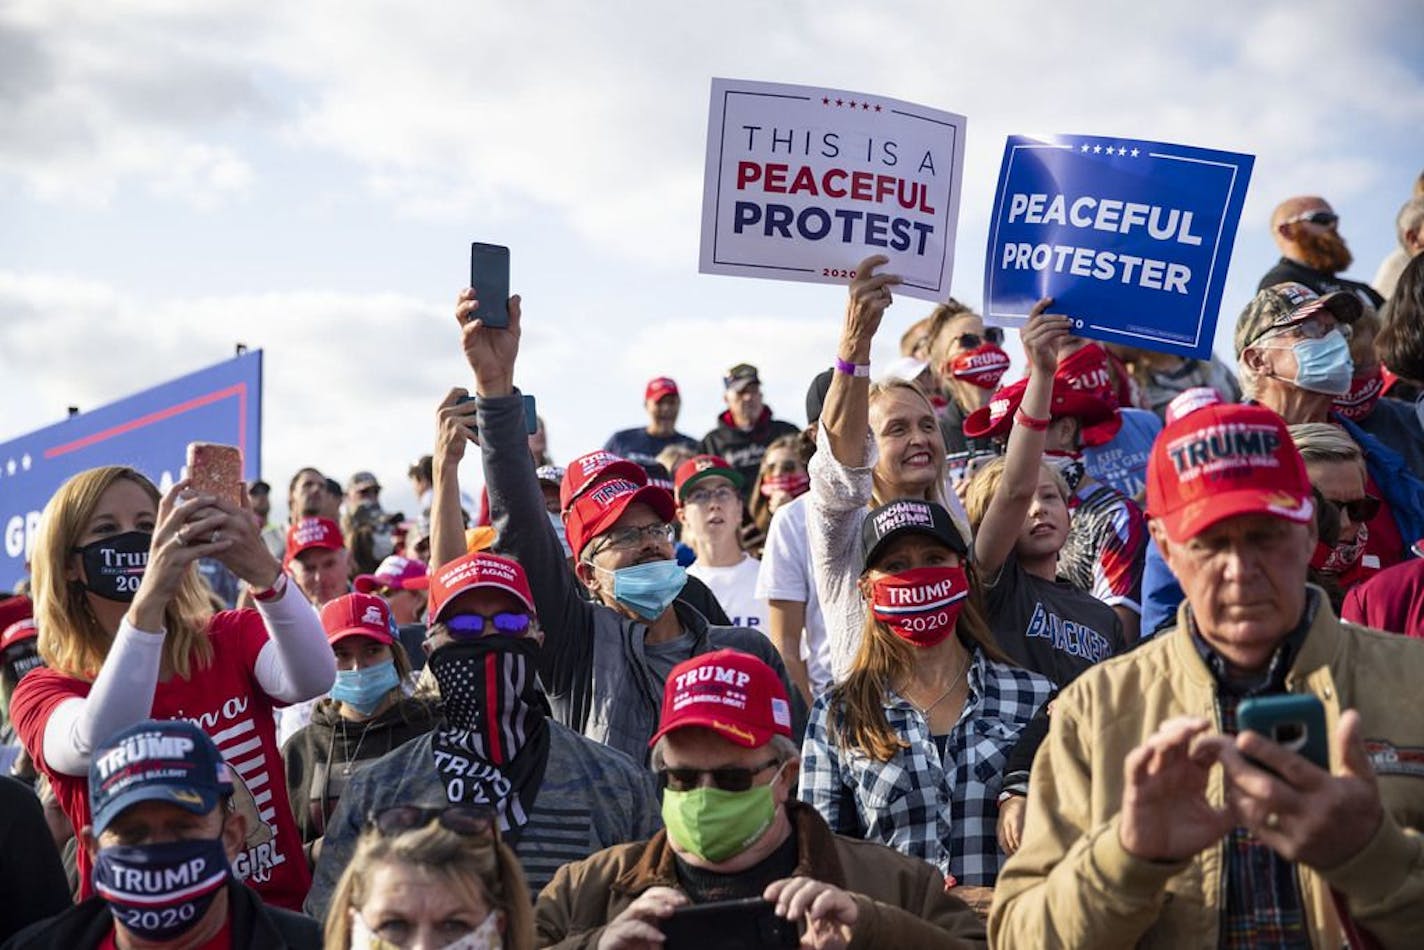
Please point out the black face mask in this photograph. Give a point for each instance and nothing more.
(494, 743)
(114, 566)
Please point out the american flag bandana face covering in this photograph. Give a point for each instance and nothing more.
(494, 743)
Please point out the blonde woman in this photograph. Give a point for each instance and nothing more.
(875, 443)
(427, 878)
(127, 634)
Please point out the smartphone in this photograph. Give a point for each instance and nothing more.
(489, 275)
(215, 469)
(748, 924)
(1296, 721)
(531, 412)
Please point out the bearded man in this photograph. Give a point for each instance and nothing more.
(1307, 230)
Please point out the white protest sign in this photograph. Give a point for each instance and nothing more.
(803, 183)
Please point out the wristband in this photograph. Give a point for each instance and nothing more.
(1006, 795)
(279, 587)
(1029, 422)
(861, 370)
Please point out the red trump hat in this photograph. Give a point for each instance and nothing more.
(481, 569)
(357, 615)
(585, 470)
(313, 533)
(734, 694)
(1215, 460)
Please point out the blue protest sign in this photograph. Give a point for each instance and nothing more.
(1132, 239)
(149, 430)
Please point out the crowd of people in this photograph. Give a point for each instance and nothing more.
(961, 662)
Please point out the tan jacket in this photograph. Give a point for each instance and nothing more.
(901, 900)
(1073, 885)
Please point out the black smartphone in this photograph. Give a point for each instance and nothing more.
(748, 924)
(489, 275)
(531, 412)
(1296, 721)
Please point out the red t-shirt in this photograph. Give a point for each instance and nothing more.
(1393, 600)
(225, 701)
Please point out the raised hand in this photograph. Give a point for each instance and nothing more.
(490, 351)
(869, 296)
(1302, 812)
(182, 533)
(1042, 335)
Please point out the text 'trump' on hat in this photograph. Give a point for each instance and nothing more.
(1220, 460)
(734, 694)
(166, 760)
(903, 516)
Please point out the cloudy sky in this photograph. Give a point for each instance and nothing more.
(306, 178)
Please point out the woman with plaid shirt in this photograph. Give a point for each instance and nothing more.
(909, 747)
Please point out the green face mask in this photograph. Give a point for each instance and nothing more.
(715, 825)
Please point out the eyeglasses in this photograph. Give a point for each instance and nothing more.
(503, 624)
(722, 494)
(469, 821)
(728, 780)
(1321, 217)
(1359, 510)
(633, 537)
(971, 341)
(1311, 328)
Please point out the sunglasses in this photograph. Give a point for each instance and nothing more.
(728, 780)
(468, 821)
(1360, 510)
(502, 624)
(994, 335)
(1326, 219)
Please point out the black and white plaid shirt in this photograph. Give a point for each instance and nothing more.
(943, 810)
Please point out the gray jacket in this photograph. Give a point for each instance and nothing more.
(591, 798)
(593, 665)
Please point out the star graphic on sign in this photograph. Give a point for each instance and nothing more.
(1086, 147)
(877, 108)
(865, 106)
(25, 462)
(1122, 150)
(10, 467)
(852, 103)
(1097, 149)
(840, 102)
(1134, 153)
(826, 101)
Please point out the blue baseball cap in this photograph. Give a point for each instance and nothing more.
(163, 760)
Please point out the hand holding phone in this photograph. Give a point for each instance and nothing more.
(748, 924)
(489, 275)
(1292, 721)
(215, 469)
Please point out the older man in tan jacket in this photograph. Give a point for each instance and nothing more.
(1151, 821)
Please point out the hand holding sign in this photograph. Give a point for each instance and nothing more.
(869, 296)
(1043, 335)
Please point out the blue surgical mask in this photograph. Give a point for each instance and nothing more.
(648, 589)
(1324, 365)
(364, 689)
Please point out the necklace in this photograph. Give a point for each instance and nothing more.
(925, 710)
(355, 755)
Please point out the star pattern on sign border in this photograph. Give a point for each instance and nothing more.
(1119, 150)
(858, 104)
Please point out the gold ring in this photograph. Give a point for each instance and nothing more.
(1273, 821)
(181, 539)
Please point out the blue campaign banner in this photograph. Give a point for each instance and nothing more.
(149, 430)
(1132, 239)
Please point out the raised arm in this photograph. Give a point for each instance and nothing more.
(997, 533)
(845, 416)
(455, 427)
(522, 528)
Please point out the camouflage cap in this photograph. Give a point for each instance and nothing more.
(1284, 304)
